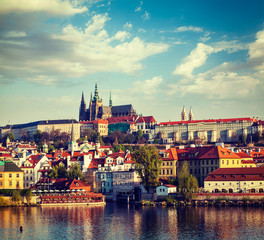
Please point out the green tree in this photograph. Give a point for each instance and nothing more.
(148, 161)
(10, 135)
(119, 147)
(129, 148)
(62, 172)
(58, 171)
(139, 134)
(187, 183)
(24, 135)
(53, 173)
(28, 195)
(16, 197)
(37, 136)
(75, 172)
(51, 148)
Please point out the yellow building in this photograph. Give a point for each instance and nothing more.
(168, 165)
(204, 160)
(11, 176)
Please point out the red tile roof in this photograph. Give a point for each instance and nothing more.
(243, 155)
(147, 119)
(210, 121)
(128, 119)
(236, 174)
(5, 155)
(172, 155)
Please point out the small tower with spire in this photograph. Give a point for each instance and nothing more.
(183, 115)
(96, 96)
(110, 100)
(82, 111)
(72, 145)
(190, 115)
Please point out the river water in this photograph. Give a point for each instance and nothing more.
(115, 221)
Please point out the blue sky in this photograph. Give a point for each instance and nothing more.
(157, 55)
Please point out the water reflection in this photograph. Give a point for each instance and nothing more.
(129, 222)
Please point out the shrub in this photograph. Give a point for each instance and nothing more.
(3, 202)
(16, 197)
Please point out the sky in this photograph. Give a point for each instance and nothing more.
(158, 55)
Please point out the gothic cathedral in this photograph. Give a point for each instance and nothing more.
(96, 109)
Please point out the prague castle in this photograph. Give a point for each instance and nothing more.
(96, 109)
(211, 130)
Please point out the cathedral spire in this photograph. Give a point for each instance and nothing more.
(82, 110)
(183, 115)
(190, 115)
(110, 100)
(96, 96)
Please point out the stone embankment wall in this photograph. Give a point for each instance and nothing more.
(34, 199)
(228, 196)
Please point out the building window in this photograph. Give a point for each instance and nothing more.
(1, 175)
(1, 184)
(10, 175)
(17, 175)
(10, 183)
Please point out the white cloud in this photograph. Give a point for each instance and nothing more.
(230, 46)
(14, 34)
(146, 15)
(122, 36)
(148, 87)
(188, 29)
(74, 52)
(53, 7)
(196, 59)
(256, 52)
(178, 43)
(218, 85)
(256, 48)
(138, 9)
(128, 25)
(141, 30)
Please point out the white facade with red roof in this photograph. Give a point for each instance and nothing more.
(235, 180)
(146, 124)
(33, 168)
(226, 130)
(165, 190)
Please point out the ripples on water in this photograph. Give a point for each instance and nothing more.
(130, 222)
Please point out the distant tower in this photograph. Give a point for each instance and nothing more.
(82, 111)
(183, 115)
(72, 145)
(110, 100)
(190, 115)
(96, 96)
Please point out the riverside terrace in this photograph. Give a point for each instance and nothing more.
(75, 196)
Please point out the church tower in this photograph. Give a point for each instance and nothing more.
(190, 115)
(82, 111)
(72, 145)
(96, 105)
(110, 101)
(183, 115)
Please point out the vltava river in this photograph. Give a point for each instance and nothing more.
(130, 222)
